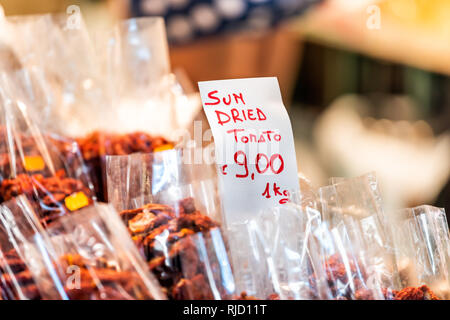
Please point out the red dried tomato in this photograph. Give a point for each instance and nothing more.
(416, 293)
(97, 145)
(162, 235)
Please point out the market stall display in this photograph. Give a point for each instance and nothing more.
(163, 233)
(46, 168)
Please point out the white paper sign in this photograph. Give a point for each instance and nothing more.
(254, 144)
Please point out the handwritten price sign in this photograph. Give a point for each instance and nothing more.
(254, 144)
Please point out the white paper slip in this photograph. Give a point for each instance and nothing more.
(254, 144)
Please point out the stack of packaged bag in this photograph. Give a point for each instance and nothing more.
(82, 125)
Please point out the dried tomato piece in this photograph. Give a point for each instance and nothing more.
(192, 289)
(95, 146)
(245, 296)
(13, 274)
(162, 235)
(338, 276)
(101, 281)
(416, 293)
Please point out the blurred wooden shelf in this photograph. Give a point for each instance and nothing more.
(415, 46)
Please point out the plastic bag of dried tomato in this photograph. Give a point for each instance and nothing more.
(346, 273)
(270, 253)
(17, 224)
(289, 252)
(88, 256)
(148, 110)
(303, 250)
(172, 211)
(356, 204)
(115, 95)
(423, 250)
(184, 248)
(267, 257)
(46, 168)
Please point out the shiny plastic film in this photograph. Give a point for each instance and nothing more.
(170, 210)
(17, 223)
(46, 168)
(184, 249)
(103, 93)
(89, 256)
(291, 252)
(422, 248)
(356, 204)
(161, 177)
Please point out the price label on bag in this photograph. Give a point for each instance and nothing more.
(254, 144)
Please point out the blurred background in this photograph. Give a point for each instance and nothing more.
(366, 83)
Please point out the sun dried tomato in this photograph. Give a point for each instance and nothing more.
(162, 235)
(340, 275)
(416, 293)
(23, 171)
(13, 274)
(101, 282)
(97, 145)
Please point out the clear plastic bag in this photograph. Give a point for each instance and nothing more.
(345, 273)
(161, 177)
(90, 256)
(140, 83)
(288, 252)
(59, 69)
(423, 249)
(47, 169)
(184, 249)
(17, 223)
(145, 103)
(270, 252)
(105, 95)
(96, 146)
(252, 260)
(171, 210)
(356, 204)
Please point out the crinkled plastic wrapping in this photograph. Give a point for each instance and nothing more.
(90, 256)
(97, 145)
(271, 255)
(162, 177)
(114, 84)
(253, 264)
(356, 204)
(316, 247)
(116, 96)
(270, 252)
(423, 249)
(17, 224)
(345, 272)
(184, 249)
(290, 252)
(170, 207)
(140, 82)
(59, 69)
(142, 115)
(122, 83)
(47, 169)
